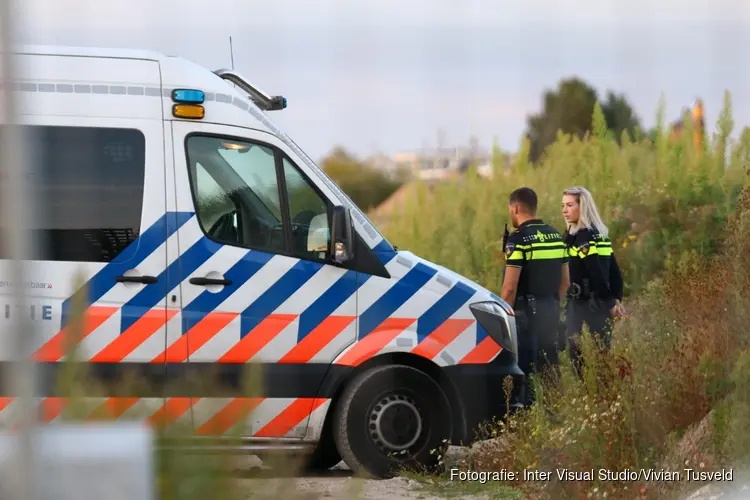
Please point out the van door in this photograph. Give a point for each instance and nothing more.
(101, 228)
(256, 289)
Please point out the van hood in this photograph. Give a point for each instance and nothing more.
(448, 273)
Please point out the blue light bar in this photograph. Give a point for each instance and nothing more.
(188, 96)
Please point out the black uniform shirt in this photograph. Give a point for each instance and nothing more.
(593, 268)
(538, 249)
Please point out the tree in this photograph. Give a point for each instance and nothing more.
(569, 109)
(620, 116)
(367, 186)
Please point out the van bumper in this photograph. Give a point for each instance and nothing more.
(481, 392)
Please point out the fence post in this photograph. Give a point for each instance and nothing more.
(16, 245)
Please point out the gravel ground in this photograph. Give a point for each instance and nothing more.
(336, 483)
(263, 483)
(334, 487)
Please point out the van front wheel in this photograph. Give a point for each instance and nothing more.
(389, 418)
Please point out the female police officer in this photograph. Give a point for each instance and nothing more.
(595, 280)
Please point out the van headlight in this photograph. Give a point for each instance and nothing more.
(498, 321)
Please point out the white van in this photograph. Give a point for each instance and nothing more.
(209, 242)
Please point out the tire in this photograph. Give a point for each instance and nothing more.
(420, 411)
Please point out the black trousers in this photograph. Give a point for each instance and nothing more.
(537, 325)
(597, 319)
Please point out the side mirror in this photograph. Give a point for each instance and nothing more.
(342, 240)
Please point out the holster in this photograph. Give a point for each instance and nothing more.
(586, 288)
(527, 303)
(522, 321)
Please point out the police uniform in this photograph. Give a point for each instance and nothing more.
(539, 250)
(595, 285)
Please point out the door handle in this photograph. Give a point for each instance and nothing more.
(146, 280)
(210, 281)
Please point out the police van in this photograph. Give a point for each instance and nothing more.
(208, 242)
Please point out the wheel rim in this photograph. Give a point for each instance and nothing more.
(395, 423)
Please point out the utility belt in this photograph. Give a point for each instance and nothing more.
(528, 302)
(582, 294)
(580, 291)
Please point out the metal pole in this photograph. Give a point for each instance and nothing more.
(16, 246)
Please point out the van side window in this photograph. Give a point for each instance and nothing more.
(213, 202)
(88, 187)
(236, 192)
(309, 215)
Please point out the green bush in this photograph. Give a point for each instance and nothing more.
(660, 200)
(680, 223)
(676, 361)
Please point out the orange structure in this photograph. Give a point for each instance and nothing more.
(695, 114)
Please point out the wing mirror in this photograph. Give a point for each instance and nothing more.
(342, 241)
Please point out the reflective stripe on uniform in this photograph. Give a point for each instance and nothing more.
(603, 248)
(540, 251)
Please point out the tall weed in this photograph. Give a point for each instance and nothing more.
(660, 199)
(679, 218)
(681, 357)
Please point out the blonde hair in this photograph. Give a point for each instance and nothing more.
(588, 215)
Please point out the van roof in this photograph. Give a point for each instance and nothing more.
(175, 72)
(67, 50)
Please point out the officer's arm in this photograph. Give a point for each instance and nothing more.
(510, 284)
(599, 280)
(565, 281)
(615, 279)
(514, 259)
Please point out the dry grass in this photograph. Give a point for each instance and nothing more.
(682, 353)
(680, 222)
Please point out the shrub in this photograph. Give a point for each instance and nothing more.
(662, 200)
(678, 356)
(680, 222)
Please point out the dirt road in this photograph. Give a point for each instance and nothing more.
(265, 483)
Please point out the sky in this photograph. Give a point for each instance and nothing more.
(394, 75)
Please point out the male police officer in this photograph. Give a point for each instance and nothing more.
(536, 278)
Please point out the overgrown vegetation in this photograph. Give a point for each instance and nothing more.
(662, 200)
(680, 221)
(684, 353)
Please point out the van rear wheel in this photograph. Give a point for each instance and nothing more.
(389, 418)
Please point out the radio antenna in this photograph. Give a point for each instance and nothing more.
(231, 52)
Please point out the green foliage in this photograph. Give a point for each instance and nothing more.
(569, 109)
(660, 199)
(673, 392)
(364, 184)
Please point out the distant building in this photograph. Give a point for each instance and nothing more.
(435, 164)
(386, 164)
(431, 168)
